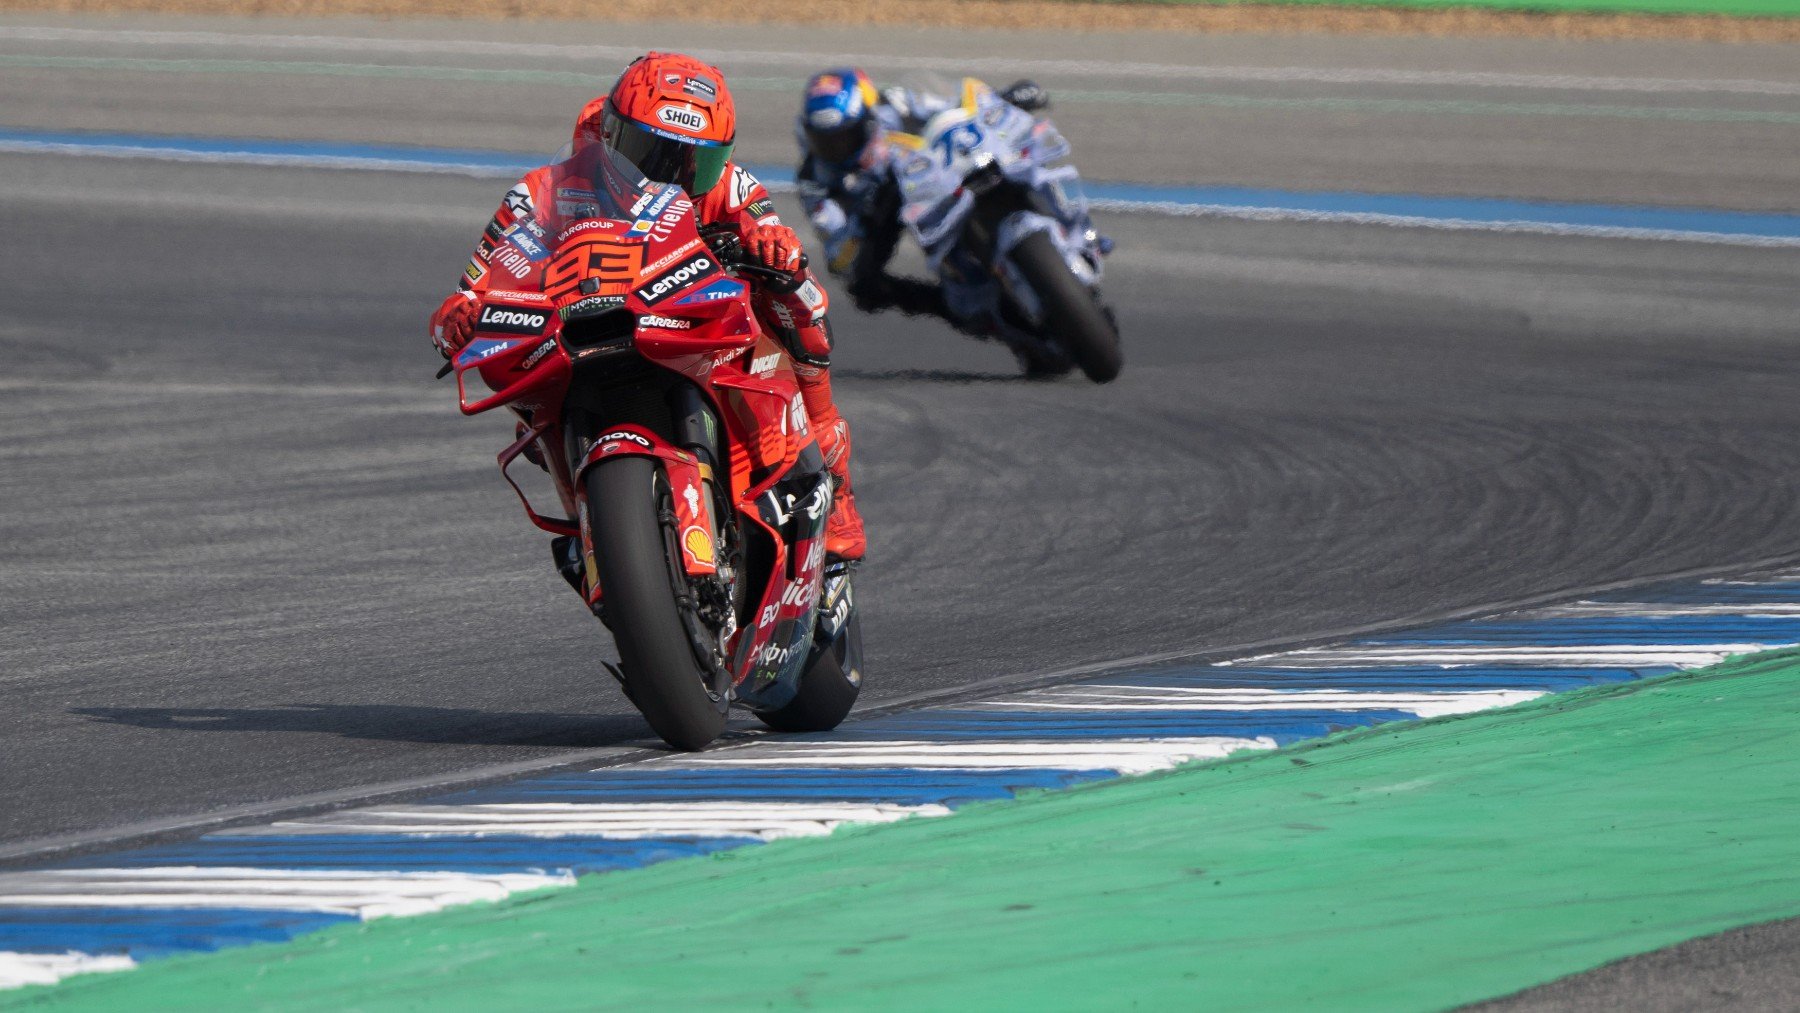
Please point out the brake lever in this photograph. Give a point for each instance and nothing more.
(449, 364)
(777, 279)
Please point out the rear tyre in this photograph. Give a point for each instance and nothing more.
(1071, 314)
(639, 570)
(828, 687)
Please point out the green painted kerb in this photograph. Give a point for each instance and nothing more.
(1413, 867)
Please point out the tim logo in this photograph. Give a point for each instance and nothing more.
(683, 117)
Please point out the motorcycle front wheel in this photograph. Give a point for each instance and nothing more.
(1071, 314)
(631, 511)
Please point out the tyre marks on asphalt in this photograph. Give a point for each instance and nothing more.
(287, 877)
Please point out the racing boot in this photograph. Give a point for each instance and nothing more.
(844, 539)
(844, 529)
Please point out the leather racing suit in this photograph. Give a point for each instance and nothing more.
(797, 318)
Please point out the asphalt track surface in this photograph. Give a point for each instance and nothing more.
(249, 551)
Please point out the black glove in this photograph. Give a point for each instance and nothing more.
(1027, 95)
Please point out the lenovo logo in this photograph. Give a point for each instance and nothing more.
(678, 278)
(512, 321)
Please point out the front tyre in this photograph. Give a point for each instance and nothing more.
(640, 570)
(1071, 314)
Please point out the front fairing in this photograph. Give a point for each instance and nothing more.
(975, 130)
(596, 240)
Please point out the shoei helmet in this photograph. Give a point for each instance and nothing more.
(671, 115)
(837, 114)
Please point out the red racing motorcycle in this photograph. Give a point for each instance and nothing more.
(690, 496)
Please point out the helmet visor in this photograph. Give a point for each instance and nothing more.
(690, 163)
(837, 145)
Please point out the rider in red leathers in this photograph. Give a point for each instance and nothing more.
(672, 116)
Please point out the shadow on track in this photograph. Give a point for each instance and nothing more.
(933, 375)
(394, 723)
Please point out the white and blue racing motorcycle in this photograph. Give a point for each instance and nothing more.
(1003, 222)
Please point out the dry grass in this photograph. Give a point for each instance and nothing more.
(1047, 14)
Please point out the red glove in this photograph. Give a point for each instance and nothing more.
(775, 245)
(454, 322)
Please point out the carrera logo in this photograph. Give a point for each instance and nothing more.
(537, 355)
(666, 323)
(682, 276)
(508, 320)
(683, 117)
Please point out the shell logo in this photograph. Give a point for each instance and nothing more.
(699, 544)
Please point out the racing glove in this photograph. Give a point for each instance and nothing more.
(454, 322)
(774, 246)
(1027, 95)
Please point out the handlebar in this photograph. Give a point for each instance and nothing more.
(726, 246)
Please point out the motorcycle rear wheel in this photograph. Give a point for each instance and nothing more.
(1071, 314)
(828, 687)
(639, 569)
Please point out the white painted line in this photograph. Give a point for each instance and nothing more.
(1176, 208)
(20, 969)
(1785, 577)
(1279, 214)
(764, 821)
(347, 892)
(1125, 756)
(1142, 698)
(478, 171)
(792, 61)
(1649, 610)
(1605, 656)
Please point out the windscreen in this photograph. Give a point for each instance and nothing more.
(925, 93)
(594, 199)
(595, 182)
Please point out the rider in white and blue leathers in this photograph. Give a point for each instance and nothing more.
(853, 203)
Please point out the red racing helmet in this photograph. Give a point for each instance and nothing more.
(671, 115)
